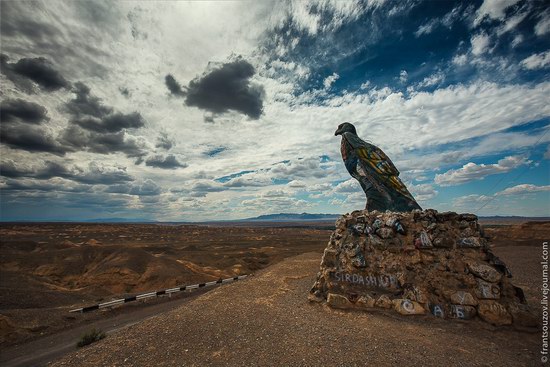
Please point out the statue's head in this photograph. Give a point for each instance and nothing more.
(346, 127)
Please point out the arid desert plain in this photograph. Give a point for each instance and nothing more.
(48, 269)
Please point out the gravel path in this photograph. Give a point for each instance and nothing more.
(266, 320)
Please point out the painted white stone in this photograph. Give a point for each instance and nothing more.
(408, 307)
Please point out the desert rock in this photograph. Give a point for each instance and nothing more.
(494, 313)
(417, 263)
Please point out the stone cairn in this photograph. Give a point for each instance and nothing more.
(422, 262)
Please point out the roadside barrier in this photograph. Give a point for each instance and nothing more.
(169, 292)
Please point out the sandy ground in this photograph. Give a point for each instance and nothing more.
(267, 321)
(47, 269)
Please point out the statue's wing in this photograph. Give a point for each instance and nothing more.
(374, 158)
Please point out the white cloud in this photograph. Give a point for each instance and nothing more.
(523, 189)
(348, 186)
(460, 60)
(469, 202)
(511, 23)
(452, 16)
(447, 20)
(517, 40)
(301, 14)
(304, 18)
(543, 26)
(518, 200)
(297, 184)
(403, 76)
(365, 85)
(329, 80)
(250, 180)
(426, 28)
(277, 204)
(422, 192)
(472, 171)
(536, 61)
(432, 80)
(493, 9)
(547, 153)
(276, 194)
(203, 187)
(480, 43)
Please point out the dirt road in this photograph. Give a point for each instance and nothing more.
(41, 351)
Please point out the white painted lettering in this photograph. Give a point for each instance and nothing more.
(437, 311)
(459, 311)
(407, 305)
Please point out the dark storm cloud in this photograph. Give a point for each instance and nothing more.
(112, 123)
(92, 175)
(44, 186)
(227, 88)
(50, 170)
(84, 104)
(73, 34)
(39, 70)
(80, 139)
(164, 141)
(148, 188)
(28, 136)
(98, 128)
(20, 82)
(173, 86)
(31, 139)
(97, 175)
(165, 162)
(91, 114)
(9, 169)
(14, 110)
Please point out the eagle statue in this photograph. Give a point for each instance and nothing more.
(375, 172)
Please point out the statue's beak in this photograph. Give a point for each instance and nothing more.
(337, 132)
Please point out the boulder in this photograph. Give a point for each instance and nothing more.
(463, 298)
(494, 313)
(484, 271)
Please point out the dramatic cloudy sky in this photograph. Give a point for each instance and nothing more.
(221, 110)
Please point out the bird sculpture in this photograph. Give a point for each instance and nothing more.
(376, 173)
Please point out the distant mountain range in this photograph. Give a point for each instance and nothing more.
(281, 217)
(284, 217)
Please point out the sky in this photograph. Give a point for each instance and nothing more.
(192, 111)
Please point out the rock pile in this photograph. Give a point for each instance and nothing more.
(422, 262)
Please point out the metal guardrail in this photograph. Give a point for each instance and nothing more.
(169, 291)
